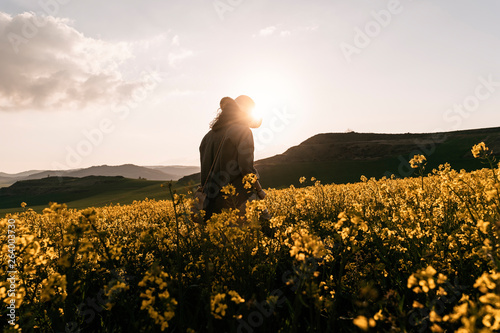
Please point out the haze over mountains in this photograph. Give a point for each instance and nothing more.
(132, 171)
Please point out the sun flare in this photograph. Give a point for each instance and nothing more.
(258, 113)
(268, 92)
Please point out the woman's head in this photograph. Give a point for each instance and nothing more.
(234, 111)
(247, 105)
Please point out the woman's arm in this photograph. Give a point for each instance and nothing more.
(205, 161)
(245, 148)
(246, 159)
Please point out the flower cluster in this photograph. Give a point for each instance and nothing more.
(249, 180)
(418, 161)
(480, 150)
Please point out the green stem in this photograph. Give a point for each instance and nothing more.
(179, 263)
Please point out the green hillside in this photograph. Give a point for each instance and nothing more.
(344, 157)
(78, 192)
(344, 171)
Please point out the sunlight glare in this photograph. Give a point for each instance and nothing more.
(258, 113)
(268, 92)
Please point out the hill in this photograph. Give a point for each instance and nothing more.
(344, 157)
(178, 171)
(369, 146)
(132, 171)
(20, 174)
(7, 179)
(127, 170)
(78, 192)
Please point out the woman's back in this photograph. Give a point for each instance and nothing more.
(235, 148)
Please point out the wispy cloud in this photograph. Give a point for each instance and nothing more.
(310, 28)
(178, 53)
(183, 93)
(176, 40)
(277, 31)
(154, 49)
(267, 31)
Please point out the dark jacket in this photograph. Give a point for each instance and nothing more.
(234, 161)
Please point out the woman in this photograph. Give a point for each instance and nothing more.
(227, 153)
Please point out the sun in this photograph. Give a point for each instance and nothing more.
(259, 113)
(268, 92)
(263, 103)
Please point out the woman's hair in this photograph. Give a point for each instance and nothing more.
(229, 113)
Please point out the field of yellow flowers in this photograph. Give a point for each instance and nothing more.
(392, 255)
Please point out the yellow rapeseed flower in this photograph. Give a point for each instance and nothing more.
(480, 150)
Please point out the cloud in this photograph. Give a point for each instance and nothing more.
(176, 40)
(271, 30)
(46, 64)
(178, 53)
(183, 93)
(155, 48)
(311, 28)
(267, 31)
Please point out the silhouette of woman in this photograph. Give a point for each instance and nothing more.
(227, 155)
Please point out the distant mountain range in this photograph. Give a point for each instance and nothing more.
(132, 171)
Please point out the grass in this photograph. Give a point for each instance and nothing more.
(350, 171)
(82, 192)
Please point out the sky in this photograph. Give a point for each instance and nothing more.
(86, 83)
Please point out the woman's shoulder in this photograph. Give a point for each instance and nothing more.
(209, 133)
(239, 134)
(238, 130)
(207, 138)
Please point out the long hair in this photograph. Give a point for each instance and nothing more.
(229, 113)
